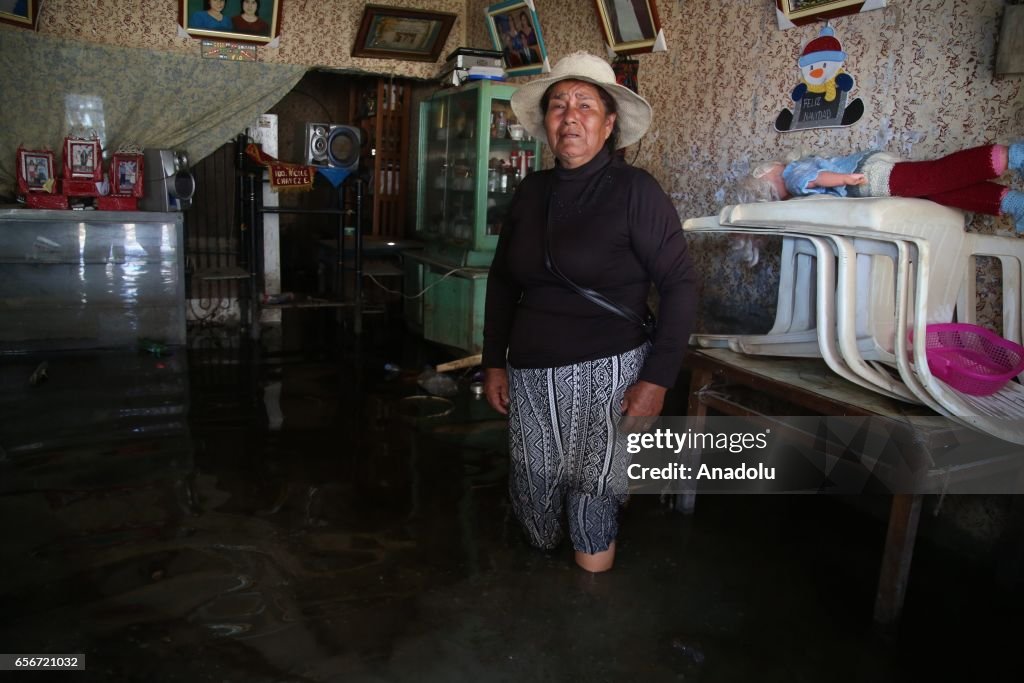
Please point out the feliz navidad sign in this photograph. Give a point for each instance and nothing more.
(821, 99)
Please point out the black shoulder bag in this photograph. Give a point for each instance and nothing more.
(648, 324)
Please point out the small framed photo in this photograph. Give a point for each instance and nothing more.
(515, 32)
(82, 159)
(126, 175)
(24, 13)
(630, 26)
(36, 171)
(245, 21)
(396, 33)
(790, 13)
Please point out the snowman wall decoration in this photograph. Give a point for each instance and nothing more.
(820, 100)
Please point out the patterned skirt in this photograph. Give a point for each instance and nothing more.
(566, 452)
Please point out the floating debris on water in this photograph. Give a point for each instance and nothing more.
(39, 375)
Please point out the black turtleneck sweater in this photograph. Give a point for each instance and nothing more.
(613, 229)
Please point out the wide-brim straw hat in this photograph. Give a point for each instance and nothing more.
(634, 112)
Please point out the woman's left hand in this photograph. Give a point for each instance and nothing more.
(641, 406)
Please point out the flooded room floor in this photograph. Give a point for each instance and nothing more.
(283, 511)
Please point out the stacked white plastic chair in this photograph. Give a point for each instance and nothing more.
(833, 321)
(795, 305)
(929, 277)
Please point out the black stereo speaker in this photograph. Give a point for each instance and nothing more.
(168, 184)
(334, 145)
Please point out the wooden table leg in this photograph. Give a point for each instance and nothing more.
(904, 515)
(697, 413)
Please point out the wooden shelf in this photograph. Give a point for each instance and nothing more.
(388, 134)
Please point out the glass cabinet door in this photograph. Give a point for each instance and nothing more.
(448, 182)
(473, 155)
(433, 177)
(511, 154)
(463, 148)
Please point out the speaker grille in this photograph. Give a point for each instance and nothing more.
(334, 145)
(319, 147)
(343, 146)
(316, 143)
(184, 185)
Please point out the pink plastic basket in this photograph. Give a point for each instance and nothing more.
(972, 359)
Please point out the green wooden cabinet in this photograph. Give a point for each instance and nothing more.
(469, 166)
(453, 308)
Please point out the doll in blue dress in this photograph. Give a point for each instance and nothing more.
(962, 180)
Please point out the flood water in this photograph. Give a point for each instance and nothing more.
(283, 511)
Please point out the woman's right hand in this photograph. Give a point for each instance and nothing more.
(496, 389)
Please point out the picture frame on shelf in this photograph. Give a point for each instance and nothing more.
(36, 171)
(125, 178)
(126, 175)
(515, 32)
(630, 26)
(82, 159)
(791, 13)
(240, 21)
(23, 13)
(412, 35)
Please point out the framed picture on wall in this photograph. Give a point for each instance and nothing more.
(247, 21)
(790, 13)
(630, 26)
(24, 13)
(396, 33)
(515, 32)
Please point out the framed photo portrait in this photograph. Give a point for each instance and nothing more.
(246, 21)
(82, 159)
(36, 171)
(126, 175)
(790, 13)
(396, 33)
(515, 32)
(24, 13)
(630, 26)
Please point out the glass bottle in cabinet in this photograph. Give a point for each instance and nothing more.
(472, 155)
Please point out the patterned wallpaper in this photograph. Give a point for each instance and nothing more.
(313, 32)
